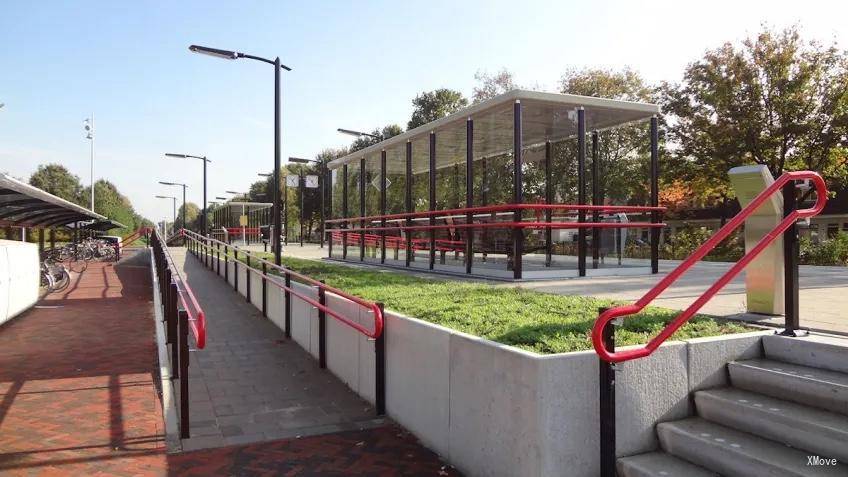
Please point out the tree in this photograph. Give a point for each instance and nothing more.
(57, 180)
(432, 105)
(191, 216)
(364, 141)
(775, 100)
(489, 86)
(623, 150)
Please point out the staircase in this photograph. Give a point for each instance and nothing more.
(785, 414)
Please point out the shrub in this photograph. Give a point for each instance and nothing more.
(833, 251)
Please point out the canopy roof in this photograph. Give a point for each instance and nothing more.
(545, 117)
(23, 205)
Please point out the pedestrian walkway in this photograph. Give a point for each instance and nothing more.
(78, 396)
(250, 383)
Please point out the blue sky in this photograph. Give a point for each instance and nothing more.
(355, 65)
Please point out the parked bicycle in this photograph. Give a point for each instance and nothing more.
(54, 276)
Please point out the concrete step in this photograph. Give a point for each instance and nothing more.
(815, 351)
(813, 430)
(734, 453)
(814, 387)
(658, 464)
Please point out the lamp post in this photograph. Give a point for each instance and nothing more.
(88, 125)
(232, 55)
(302, 186)
(184, 202)
(175, 207)
(205, 161)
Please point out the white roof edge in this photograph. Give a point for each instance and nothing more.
(510, 96)
(9, 182)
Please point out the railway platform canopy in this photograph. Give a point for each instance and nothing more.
(23, 205)
(526, 185)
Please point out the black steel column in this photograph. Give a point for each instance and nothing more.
(276, 182)
(581, 190)
(469, 193)
(362, 186)
(606, 394)
(596, 200)
(203, 217)
(432, 198)
(287, 294)
(345, 212)
(518, 190)
(380, 368)
(549, 199)
(383, 205)
(655, 195)
(185, 425)
(41, 242)
(791, 250)
(409, 252)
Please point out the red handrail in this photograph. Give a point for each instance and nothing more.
(135, 235)
(378, 313)
(196, 315)
(517, 225)
(505, 208)
(698, 254)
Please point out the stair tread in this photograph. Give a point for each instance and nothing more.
(783, 421)
(796, 370)
(659, 464)
(740, 452)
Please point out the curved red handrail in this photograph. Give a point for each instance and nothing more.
(378, 313)
(196, 315)
(505, 208)
(698, 254)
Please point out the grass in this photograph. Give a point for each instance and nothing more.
(535, 321)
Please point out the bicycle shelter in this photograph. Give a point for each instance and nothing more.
(453, 196)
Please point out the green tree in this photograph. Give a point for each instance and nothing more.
(775, 99)
(57, 180)
(491, 85)
(192, 215)
(364, 141)
(432, 105)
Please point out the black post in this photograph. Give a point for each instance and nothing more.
(606, 379)
(362, 186)
(203, 217)
(596, 200)
(322, 328)
(288, 304)
(345, 212)
(408, 204)
(40, 242)
(383, 206)
(432, 190)
(380, 371)
(235, 269)
(549, 199)
(183, 359)
(276, 194)
(791, 250)
(300, 186)
(264, 290)
(655, 196)
(171, 316)
(581, 190)
(226, 265)
(218, 261)
(469, 193)
(518, 190)
(247, 277)
(184, 211)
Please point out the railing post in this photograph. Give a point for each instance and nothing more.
(218, 253)
(791, 252)
(226, 265)
(606, 381)
(380, 367)
(322, 328)
(235, 269)
(183, 358)
(288, 305)
(264, 289)
(247, 279)
(171, 315)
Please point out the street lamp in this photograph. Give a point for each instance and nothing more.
(175, 207)
(202, 158)
(232, 55)
(351, 132)
(184, 202)
(302, 186)
(88, 126)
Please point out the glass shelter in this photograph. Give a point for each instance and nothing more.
(526, 185)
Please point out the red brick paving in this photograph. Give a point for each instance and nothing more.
(78, 397)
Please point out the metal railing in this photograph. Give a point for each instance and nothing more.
(181, 313)
(603, 332)
(213, 253)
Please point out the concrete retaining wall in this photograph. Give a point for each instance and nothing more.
(495, 410)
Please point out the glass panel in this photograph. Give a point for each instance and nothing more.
(372, 205)
(420, 199)
(353, 239)
(396, 203)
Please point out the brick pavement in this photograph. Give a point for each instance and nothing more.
(78, 397)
